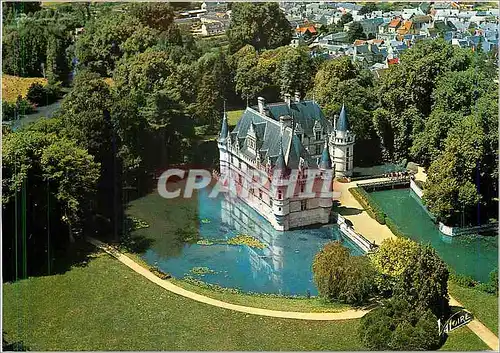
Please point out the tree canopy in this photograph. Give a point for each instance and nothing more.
(261, 25)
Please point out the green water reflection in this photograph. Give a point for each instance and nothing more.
(475, 256)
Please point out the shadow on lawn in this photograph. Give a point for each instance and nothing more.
(13, 346)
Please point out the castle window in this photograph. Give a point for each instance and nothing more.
(240, 179)
(347, 154)
(251, 144)
(318, 149)
(260, 194)
(303, 205)
(318, 135)
(302, 187)
(280, 194)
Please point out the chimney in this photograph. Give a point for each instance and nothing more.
(287, 99)
(297, 96)
(285, 121)
(262, 103)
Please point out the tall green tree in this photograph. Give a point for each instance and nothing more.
(355, 32)
(261, 25)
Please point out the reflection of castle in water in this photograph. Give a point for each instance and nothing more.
(239, 216)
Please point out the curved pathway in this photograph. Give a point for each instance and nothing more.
(344, 315)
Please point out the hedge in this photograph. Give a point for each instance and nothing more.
(370, 206)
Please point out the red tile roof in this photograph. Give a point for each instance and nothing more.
(393, 61)
(395, 22)
(303, 30)
(359, 42)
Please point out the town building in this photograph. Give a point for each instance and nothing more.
(286, 140)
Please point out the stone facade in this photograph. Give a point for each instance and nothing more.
(291, 143)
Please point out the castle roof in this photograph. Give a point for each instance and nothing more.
(326, 162)
(342, 123)
(224, 128)
(304, 113)
(268, 131)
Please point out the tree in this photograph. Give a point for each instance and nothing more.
(392, 258)
(340, 81)
(355, 32)
(24, 48)
(406, 94)
(424, 284)
(262, 25)
(450, 189)
(340, 276)
(396, 325)
(156, 15)
(35, 157)
(367, 8)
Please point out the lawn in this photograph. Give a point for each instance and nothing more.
(464, 339)
(107, 306)
(13, 86)
(482, 305)
(311, 305)
(233, 116)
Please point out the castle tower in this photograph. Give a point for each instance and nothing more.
(342, 146)
(280, 201)
(325, 167)
(222, 144)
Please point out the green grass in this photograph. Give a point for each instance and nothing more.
(107, 306)
(463, 339)
(482, 305)
(311, 305)
(233, 116)
(14, 86)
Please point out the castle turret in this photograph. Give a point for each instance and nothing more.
(280, 201)
(222, 144)
(325, 162)
(342, 145)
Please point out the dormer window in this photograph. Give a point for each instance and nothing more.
(318, 135)
(251, 144)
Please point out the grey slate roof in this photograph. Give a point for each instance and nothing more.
(304, 113)
(270, 139)
(342, 123)
(224, 129)
(326, 162)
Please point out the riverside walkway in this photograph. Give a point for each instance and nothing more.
(343, 315)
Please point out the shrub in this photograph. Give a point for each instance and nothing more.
(396, 325)
(425, 282)
(342, 277)
(42, 95)
(371, 207)
(393, 227)
(391, 260)
(11, 111)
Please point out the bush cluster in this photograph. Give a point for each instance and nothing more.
(43, 95)
(417, 280)
(371, 207)
(342, 277)
(11, 111)
(490, 287)
(397, 326)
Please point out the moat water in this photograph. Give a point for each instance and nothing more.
(283, 266)
(473, 255)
